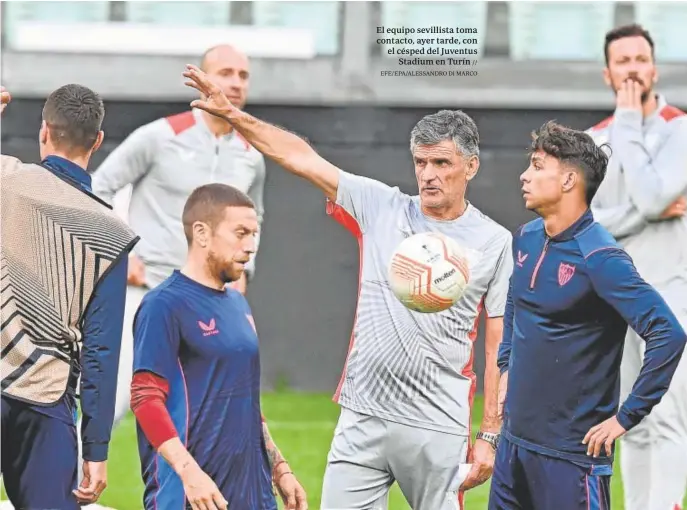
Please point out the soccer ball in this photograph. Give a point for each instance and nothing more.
(428, 272)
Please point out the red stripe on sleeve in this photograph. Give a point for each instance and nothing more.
(148, 396)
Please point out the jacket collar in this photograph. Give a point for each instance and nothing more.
(200, 121)
(68, 171)
(581, 224)
(661, 103)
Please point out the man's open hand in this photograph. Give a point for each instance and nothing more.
(482, 459)
(212, 98)
(675, 210)
(603, 435)
(629, 95)
(291, 492)
(5, 98)
(93, 483)
(201, 492)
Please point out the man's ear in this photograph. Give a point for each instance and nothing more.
(473, 168)
(98, 141)
(607, 77)
(570, 179)
(201, 233)
(44, 133)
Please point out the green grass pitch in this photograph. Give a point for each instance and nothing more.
(302, 425)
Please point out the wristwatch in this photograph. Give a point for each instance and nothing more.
(489, 437)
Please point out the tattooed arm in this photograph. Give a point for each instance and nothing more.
(291, 492)
(274, 456)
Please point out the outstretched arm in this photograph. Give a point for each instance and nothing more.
(286, 149)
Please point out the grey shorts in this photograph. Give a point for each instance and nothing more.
(369, 454)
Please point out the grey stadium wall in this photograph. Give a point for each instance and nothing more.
(304, 292)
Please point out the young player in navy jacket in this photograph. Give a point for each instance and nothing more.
(572, 295)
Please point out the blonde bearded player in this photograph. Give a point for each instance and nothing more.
(408, 384)
(163, 162)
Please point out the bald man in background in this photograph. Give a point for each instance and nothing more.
(161, 163)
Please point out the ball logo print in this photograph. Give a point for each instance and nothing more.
(428, 272)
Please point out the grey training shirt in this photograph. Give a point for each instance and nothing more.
(165, 161)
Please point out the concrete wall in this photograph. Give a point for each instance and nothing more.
(352, 77)
(307, 275)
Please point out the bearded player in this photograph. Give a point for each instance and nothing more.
(408, 384)
(196, 386)
(642, 204)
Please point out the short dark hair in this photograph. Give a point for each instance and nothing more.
(208, 203)
(632, 30)
(576, 149)
(74, 115)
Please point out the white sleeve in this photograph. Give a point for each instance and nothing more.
(257, 193)
(129, 161)
(363, 198)
(497, 292)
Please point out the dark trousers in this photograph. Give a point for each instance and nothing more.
(526, 480)
(39, 458)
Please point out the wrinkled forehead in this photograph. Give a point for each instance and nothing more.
(445, 149)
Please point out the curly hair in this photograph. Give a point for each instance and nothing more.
(574, 149)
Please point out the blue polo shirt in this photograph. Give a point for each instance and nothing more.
(203, 343)
(570, 302)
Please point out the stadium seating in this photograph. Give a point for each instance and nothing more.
(179, 13)
(667, 22)
(444, 14)
(17, 12)
(322, 18)
(571, 31)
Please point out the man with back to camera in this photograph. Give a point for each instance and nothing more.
(642, 204)
(164, 161)
(408, 384)
(64, 270)
(572, 295)
(196, 385)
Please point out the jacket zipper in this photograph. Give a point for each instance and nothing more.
(541, 259)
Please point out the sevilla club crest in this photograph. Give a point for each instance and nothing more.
(565, 273)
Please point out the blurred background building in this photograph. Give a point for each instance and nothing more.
(316, 70)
